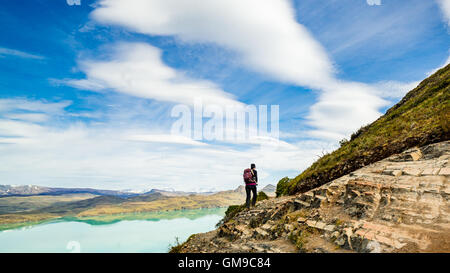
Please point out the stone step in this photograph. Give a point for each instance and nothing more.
(320, 197)
(309, 193)
(267, 227)
(445, 171)
(301, 203)
(260, 233)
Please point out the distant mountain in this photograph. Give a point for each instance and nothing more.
(240, 189)
(175, 193)
(29, 190)
(21, 205)
(147, 197)
(269, 188)
(9, 190)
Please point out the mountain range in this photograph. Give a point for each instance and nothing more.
(29, 204)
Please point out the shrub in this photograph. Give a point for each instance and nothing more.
(282, 186)
(261, 196)
(343, 141)
(230, 213)
(177, 247)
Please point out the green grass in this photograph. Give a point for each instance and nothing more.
(420, 118)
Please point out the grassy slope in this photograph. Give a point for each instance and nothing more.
(420, 118)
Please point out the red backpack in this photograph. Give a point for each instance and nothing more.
(248, 176)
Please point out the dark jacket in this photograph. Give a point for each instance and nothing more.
(255, 175)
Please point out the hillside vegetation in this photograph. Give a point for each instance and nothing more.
(420, 118)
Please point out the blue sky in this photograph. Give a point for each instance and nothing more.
(86, 91)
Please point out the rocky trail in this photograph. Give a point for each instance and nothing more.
(399, 204)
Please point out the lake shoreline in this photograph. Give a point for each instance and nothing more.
(101, 218)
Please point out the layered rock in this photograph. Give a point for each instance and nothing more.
(399, 204)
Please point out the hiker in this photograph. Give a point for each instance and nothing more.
(251, 181)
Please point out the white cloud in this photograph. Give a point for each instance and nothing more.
(128, 149)
(17, 53)
(264, 33)
(107, 155)
(269, 40)
(165, 138)
(33, 117)
(393, 89)
(137, 69)
(373, 2)
(39, 106)
(342, 108)
(445, 7)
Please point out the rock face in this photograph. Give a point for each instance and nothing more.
(399, 204)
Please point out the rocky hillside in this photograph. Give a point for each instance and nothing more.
(420, 118)
(378, 192)
(399, 204)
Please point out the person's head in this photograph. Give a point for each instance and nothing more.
(253, 166)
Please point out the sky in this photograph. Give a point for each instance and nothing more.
(88, 89)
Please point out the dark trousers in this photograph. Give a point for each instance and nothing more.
(248, 189)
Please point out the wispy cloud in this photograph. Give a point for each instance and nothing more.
(445, 7)
(373, 2)
(263, 33)
(126, 141)
(39, 106)
(165, 138)
(121, 152)
(17, 53)
(342, 108)
(268, 40)
(393, 89)
(137, 69)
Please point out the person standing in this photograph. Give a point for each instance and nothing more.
(251, 181)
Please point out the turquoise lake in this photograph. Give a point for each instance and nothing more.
(140, 232)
